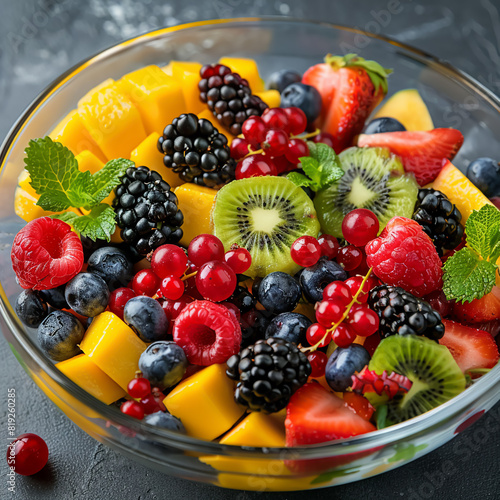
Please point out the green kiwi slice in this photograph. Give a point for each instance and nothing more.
(435, 375)
(265, 215)
(374, 179)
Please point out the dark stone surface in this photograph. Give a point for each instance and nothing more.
(41, 38)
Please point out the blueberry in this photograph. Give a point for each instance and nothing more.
(55, 297)
(31, 308)
(384, 124)
(343, 363)
(279, 80)
(87, 294)
(59, 335)
(165, 420)
(289, 326)
(112, 265)
(485, 174)
(314, 279)
(163, 363)
(279, 292)
(146, 317)
(302, 96)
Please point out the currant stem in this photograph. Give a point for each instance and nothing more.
(306, 136)
(187, 276)
(344, 316)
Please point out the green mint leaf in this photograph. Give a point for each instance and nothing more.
(381, 416)
(68, 217)
(299, 179)
(467, 276)
(98, 224)
(81, 192)
(54, 169)
(54, 202)
(483, 232)
(328, 163)
(109, 177)
(310, 166)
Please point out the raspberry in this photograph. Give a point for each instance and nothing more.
(207, 332)
(405, 256)
(46, 253)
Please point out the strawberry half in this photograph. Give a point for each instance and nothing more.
(315, 415)
(422, 153)
(350, 89)
(486, 308)
(471, 348)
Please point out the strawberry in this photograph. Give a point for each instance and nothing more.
(486, 308)
(350, 89)
(359, 404)
(315, 415)
(422, 153)
(471, 348)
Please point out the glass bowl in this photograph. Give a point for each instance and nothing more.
(454, 99)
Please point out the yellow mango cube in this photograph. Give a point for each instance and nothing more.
(83, 372)
(113, 121)
(158, 97)
(271, 97)
(247, 69)
(205, 403)
(196, 203)
(72, 133)
(109, 82)
(188, 75)
(113, 347)
(147, 154)
(24, 180)
(256, 429)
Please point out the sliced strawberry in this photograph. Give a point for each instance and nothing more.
(471, 348)
(359, 404)
(315, 415)
(422, 153)
(486, 308)
(492, 327)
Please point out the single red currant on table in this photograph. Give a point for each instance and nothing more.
(305, 251)
(27, 454)
(360, 226)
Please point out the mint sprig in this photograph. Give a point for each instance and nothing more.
(471, 272)
(61, 185)
(322, 168)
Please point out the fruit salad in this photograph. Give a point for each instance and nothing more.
(262, 263)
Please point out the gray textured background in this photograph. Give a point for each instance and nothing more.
(39, 39)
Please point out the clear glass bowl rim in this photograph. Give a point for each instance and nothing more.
(382, 437)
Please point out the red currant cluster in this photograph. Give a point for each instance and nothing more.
(270, 145)
(307, 250)
(175, 279)
(150, 398)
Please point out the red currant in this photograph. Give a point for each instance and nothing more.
(275, 143)
(354, 282)
(317, 360)
(256, 165)
(232, 308)
(344, 335)
(118, 299)
(283, 165)
(305, 251)
(276, 118)
(153, 402)
(364, 321)
(133, 409)
(349, 257)
(297, 120)
(329, 246)
(172, 288)
(297, 148)
(338, 291)
(139, 388)
(205, 247)
(360, 226)
(317, 332)
(169, 260)
(440, 303)
(238, 259)
(362, 268)
(173, 308)
(325, 138)
(27, 454)
(254, 129)
(329, 312)
(216, 281)
(239, 148)
(145, 282)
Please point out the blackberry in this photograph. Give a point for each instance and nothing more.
(439, 218)
(268, 373)
(401, 313)
(194, 149)
(146, 210)
(228, 96)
